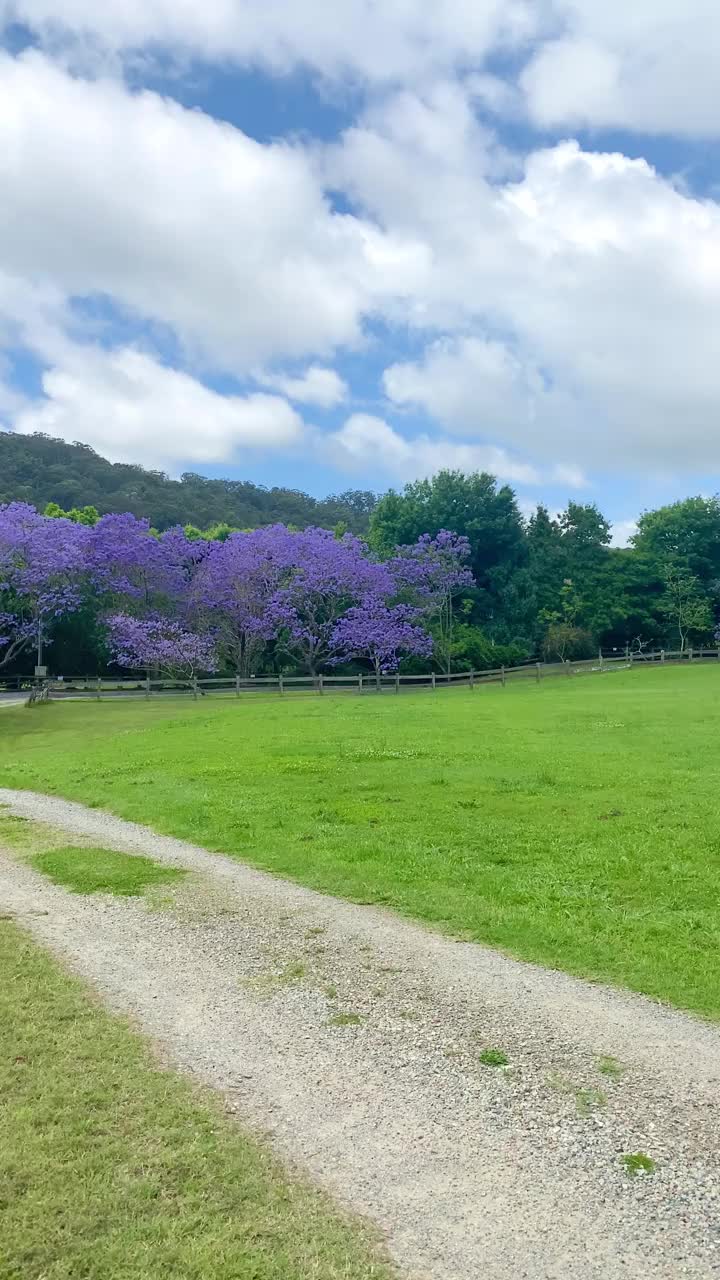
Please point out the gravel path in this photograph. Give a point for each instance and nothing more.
(246, 980)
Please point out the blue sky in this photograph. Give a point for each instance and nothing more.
(252, 242)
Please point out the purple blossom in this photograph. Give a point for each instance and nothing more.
(382, 634)
(232, 591)
(159, 644)
(42, 570)
(323, 577)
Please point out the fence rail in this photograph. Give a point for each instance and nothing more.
(99, 687)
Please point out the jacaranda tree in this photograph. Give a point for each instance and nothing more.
(43, 576)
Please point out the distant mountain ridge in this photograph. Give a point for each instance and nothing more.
(39, 469)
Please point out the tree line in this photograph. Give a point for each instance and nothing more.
(38, 470)
(450, 576)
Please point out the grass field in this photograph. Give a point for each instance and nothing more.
(575, 823)
(111, 1167)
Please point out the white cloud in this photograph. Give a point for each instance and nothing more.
(578, 300)
(185, 220)
(366, 442)
(322, 387)
(649, 65)
(133, 409)
(622, 532)
(393, 40)
(568, 302)
(475, 386)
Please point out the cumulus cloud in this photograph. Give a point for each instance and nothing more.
(650, 65)
(131, 408)
(366, 441)
(183, 219)
(588, 286)
(389, 41)
(566, 300)
(317, 386)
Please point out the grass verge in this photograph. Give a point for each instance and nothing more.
(111, 1168)
(85, 869)
(573, 823)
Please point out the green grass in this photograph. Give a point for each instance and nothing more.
(90, 870)
(111, 1168)
(494, 1058)
(638, 1163)
(574, 823)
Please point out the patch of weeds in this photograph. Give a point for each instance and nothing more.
(379, 992)
(611, 1067)
(344, 1020)
(316, 931)
(95, 870)
(21, 833)
(588, 1100)
(388, 968)
(494, 1058)
(294, 972)
(331, 993)
(451, 1052)
(637, 1163)
(408, 1015)
(267, 984)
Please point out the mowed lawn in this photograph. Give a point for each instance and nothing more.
(575, 823)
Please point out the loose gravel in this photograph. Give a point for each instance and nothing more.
(355, 1040)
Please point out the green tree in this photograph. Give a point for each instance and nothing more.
(78, 515)
(687, 532)
(475, 507)
(684, 604)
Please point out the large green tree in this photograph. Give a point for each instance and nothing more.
(477, 508)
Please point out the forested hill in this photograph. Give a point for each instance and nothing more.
(39, 469)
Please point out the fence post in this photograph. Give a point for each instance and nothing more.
(538, 672)
(472, 679)
(281, 686)
(377, 682)
(627, 652)
(433, 680)
(502, 675)
(147, 686)
(195, 687)
(360, 682)
(98, 687)
(397, 681)
(600, 658)
(662, 655)
(237, 686)
(568, 666)
(320, 686)
(690, 655)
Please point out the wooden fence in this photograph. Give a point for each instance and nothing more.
(99, 687)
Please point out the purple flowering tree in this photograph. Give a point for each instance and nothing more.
(232, 591)
(322, 579)
(42, 570)
(429, 574)
(382, 634)
(159, 644)
(134, 569)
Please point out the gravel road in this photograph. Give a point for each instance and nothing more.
(354, 1039)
